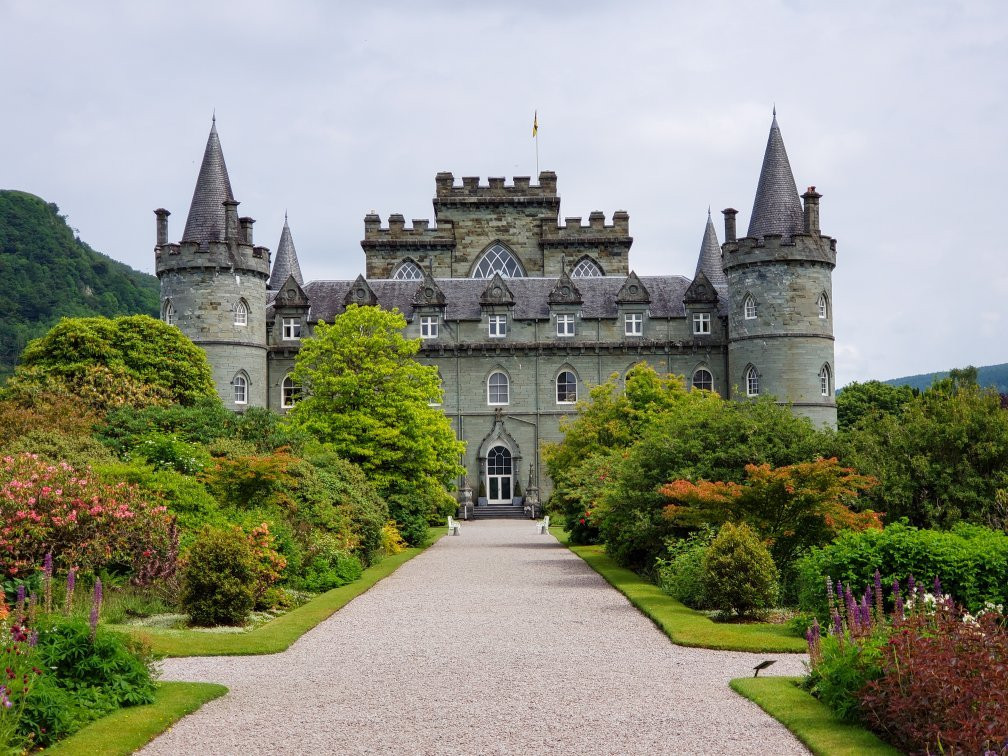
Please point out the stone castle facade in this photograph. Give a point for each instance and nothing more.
(519, 312)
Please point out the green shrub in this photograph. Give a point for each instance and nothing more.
(682, 575)
(219, 579)
(230, 447)
(971, 561)
(327, 566)
(201, 423)
(166, 452)
(739, 573)
(78, 450)
(844, 667)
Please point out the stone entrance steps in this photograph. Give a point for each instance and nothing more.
(499, 512)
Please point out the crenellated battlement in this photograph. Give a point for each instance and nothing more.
(236, 256)
(805, 247)
(495, 191)
(420, 234)
(595, 232)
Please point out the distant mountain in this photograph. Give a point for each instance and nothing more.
(988, 375)
(46, 273)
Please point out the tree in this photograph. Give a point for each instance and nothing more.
(366, 395)
(739, 573)
(861, 400)
(132, 361)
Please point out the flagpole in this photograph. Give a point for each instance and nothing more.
(535, 135)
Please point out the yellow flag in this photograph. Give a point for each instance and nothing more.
(535, 124)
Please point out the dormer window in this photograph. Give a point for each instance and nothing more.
(408, 271)
(565, 325)
(291, 329)
(823, 306)
(749, 308)
(498, 326)
(701, 323)
(429, 327)
(633, 324)
(241, 313)
(498, 259)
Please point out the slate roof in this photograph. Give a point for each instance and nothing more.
(777, 208)
(285, 263)
(709, 262)
(206, 212)
(531, 295)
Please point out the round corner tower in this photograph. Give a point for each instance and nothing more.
(213, 284)
(780, 292)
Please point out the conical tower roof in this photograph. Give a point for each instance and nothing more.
(776, 209)
(206, 213)
(709, 262)
(286, 262)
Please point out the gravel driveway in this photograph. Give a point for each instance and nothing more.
(497, 641)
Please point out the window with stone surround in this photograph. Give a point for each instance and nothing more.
(240, 385)
(408, 271)
(824, 381)
(566, 387)
(702, 379)
(429, 327)
(241, 313)
(701, 323)
(498, 326)
(565, 325)
(290, 393)
(291, 329)
(168, 312)
(752, 382)
(498, 389)
(823, 305)
(586, 268)
(633, 324)
(749, 307)
(498, 259)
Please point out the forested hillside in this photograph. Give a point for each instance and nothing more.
(995, 376)
(47, 273)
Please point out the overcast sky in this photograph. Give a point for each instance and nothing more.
(896, 112)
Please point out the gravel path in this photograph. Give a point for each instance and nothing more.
(498, 641)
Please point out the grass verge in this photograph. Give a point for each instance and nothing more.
(680, 623)
(277, 635)
(127, 730)
(810, 720)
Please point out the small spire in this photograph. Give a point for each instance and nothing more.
(776, 208)
(709, 261)
(286, 262)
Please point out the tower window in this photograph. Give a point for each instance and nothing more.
(168, 312)
(498, 326)
(565, 325)
(824, 381)
(429, 327)
(241, 313)
(586, 268)
(566, 387)
(701, 322)
(498, 389)
(752, 382)
(240, 384)
(408, 271)
(291, 329)
(498, 259)
(823, 306)
(290, 393)
(633, 324)
(749, 308)
(702, 379)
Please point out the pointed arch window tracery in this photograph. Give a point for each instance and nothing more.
(408, 271)
(586, 268)
(498, 259)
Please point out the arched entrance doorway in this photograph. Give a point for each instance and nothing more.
(499, 474)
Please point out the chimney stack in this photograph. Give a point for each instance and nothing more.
(811, 198)
(729, 224)
(230, 220)
(246, 229)
(162, 225)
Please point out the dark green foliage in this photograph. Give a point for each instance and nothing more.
(846, 666)
(682, 575)
(200, 423)
(993, 376)
(84, 678)
(327, 566)
(739, 573)
(48, 273)
(79, 451)
(858, 401)
(165, 452)
(971, 561)
(219, 579)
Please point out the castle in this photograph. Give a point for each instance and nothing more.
(518, 312)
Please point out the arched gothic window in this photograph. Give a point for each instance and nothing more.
(824, 381)
(752, 382)
(408, 271)
(498, 389)
(498, 259)
(168, 312)
(241, 313)
(586, 268)
(566, 387)
(749, 307)
(290, 392)
(823, 306)
(702, 379)
(240, 384)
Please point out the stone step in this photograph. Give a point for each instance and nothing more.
(499, 512)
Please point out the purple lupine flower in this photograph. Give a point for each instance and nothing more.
(47, 573)
(899, 607)
(71, 582)
(937, 587)
(837, 624)
(911, 586)
(865, 612)
(851, 606)
(829, 594)
(20, 597)
(879, 606)
(816, 630)
(33, 638)
(47, 564)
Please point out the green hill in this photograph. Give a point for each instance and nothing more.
(988, 375)
(46, 273)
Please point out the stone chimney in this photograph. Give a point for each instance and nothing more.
(811, 199)
(246, 229)
(162, 225)
(230, 220)
(729, 224)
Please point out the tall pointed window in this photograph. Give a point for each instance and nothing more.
(749, 307)
(823, 306)
(752, 382)
(498, 259)
(408, 271)
(586, 268)
(168, 312)
(241, 313)
(240, 384)
(824, 381)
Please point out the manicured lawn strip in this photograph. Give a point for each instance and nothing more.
(126, 730)
(680, 623)
(810, 720)
(277, 635)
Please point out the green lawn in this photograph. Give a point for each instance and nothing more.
(129, 729)
(277, 635)
(680, 623)
(811, 721)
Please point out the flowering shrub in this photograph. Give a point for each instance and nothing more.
(929, 677)
(269, 562)
(392, 541)
(84, 523)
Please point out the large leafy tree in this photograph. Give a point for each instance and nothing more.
(858, 401)
(132, 361)
(366, 395)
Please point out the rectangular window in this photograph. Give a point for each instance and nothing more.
(291, 329)
(633, 324)
(498, 326)
(428, 327)
(565, 325)
(701, 322)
